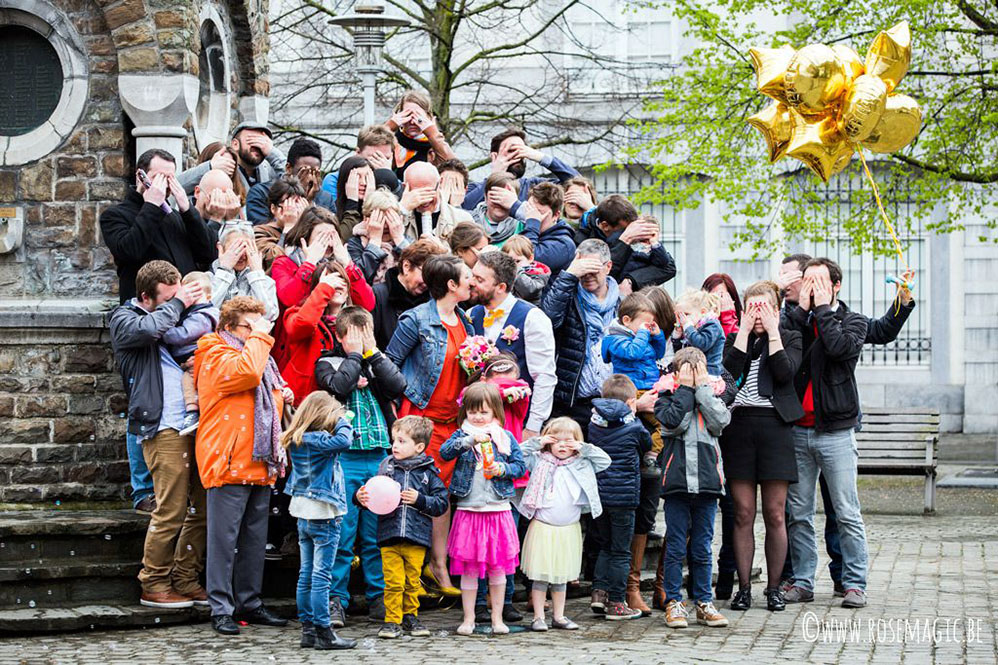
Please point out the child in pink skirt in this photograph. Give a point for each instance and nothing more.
(483, 543)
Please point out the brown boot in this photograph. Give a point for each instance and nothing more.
(634, 599)
(658, 595)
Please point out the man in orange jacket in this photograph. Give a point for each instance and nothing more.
(242, 397)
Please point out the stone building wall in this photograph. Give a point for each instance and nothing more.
(136, 65)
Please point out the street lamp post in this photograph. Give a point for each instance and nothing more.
(367, 26)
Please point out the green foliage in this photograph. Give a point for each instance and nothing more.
(699, 146)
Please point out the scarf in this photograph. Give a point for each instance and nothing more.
(540, 490)
(267, 446)
(407, 149)
(598, 315)
(499, 232)
(494, 431)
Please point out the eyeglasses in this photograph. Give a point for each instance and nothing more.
(234, 225)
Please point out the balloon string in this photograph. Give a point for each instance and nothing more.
(883, 215)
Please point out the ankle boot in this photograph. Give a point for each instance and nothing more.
(658, 595)
(634, 600)
(307, 635)
(326, 639)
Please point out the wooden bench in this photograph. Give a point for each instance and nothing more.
(901, 442)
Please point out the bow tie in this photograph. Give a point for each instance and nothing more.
(493, 315)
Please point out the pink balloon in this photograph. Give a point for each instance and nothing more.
(383, 495)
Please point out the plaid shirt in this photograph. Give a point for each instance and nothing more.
(370, 431)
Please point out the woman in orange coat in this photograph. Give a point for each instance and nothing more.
(239, 456)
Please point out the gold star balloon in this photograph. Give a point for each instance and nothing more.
(770, 65)
(830, 102)
(820, 145)
(890, 55)
(774, 123)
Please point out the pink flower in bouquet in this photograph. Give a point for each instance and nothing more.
(474, 353)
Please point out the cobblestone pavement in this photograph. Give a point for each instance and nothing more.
(922, 570)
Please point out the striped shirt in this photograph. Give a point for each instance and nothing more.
(749, 395)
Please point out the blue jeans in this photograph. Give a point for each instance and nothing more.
(832, 545)
(359, 530)
(689, 515)
(481, 600)
(317, 540)
(613, 531)
(137, 469)
(834, 455)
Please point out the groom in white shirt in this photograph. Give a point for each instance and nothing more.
(516, 326)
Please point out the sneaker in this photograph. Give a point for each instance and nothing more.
(146, 505)
(708, 615)
(854, 598)
(798, 594)
(597, 602)
(775, 601)
(840, 590)
(197, 595)
(675, 614)
(337, 617)
(272, 553)
(621, 612)
(742, 600)
(376, 609)
(190, 424)
(390, 631)
(786, 584)
(165, 599)
(412, 625)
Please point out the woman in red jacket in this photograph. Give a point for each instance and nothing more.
(315, 241)
(308, 330)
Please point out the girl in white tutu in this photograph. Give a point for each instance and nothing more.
(562, 486)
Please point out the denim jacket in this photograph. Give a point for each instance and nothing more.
(460, 446)
(419, 347)
(315, 466)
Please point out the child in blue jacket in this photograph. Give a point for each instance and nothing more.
(698, 325)
(318, 500)
(405, 534)
(634, 343)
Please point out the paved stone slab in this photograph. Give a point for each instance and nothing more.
(933, 592)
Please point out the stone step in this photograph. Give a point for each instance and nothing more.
(64, 492)
(97, 615)
(60, 581)
(29, 538)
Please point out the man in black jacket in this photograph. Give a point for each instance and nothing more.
(639, 259)
(824, 439)
(879, 331)
(139, 230)
(402, 289)
(173, 555)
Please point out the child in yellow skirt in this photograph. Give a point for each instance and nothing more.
(562, 486)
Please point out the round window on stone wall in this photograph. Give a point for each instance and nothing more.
(31, 80)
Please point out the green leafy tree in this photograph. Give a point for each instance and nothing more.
(699, 146)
